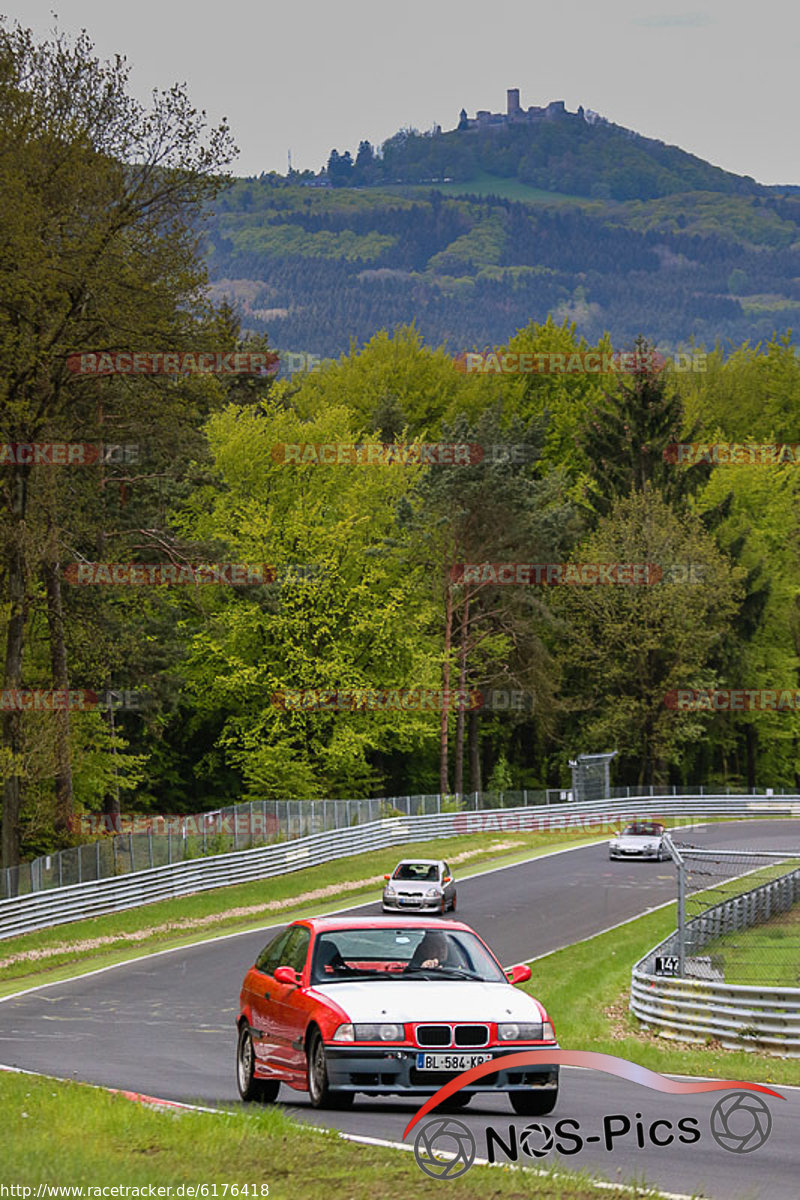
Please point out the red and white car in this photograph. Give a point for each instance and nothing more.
(339, 1005)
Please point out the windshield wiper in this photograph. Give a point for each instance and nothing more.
(461, 973)
(438, 972)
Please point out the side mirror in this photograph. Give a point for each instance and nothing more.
(387, 877)
(520, 973)
(447, 879)
(286, 975)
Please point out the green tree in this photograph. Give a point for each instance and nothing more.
(626, 647)
(98, 248)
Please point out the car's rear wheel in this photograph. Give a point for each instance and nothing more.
(251, 1088)
(534, 1103)
(319, 1091)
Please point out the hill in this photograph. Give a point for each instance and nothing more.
(474, 232)
(550, 148)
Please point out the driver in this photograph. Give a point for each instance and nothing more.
(435, 950)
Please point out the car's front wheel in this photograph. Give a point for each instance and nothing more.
(534, 1103)
(318, 1089)
(251, 1088)
(455, 1102)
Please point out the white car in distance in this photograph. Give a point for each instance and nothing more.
(419, 884)
(640, 839)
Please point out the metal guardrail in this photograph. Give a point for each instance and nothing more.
(692, 1009)
(56, 906)
(153, 841)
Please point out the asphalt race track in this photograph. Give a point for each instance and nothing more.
(164, 1025)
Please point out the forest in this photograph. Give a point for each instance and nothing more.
(316, 269)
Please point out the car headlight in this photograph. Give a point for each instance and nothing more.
(613, 845)
(389, 890)
(434, 891)
(385, 1032)
(511, 1031)
(345, 1033)
(651, 846)
(519, 1031)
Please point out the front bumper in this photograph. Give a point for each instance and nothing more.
(394, 904)
(649, 854)
(383, 1071)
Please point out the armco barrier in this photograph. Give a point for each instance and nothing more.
(738, 1015)
(56, 906)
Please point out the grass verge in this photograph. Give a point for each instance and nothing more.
(66, 1134)
(586, 989)
(767, 954)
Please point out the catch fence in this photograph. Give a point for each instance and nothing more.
(731, 969)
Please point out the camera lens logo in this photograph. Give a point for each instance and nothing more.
(444, 1148)
(534, 1133)
(741, 1122)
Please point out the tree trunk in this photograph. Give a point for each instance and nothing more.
(458, 770)
(444, 784)
(475, 781)
(58, 661)
(751, 736)
(15, 641)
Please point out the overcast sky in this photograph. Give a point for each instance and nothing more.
(719, 79)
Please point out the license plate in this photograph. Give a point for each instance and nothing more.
(407, 900)
(450, 1062)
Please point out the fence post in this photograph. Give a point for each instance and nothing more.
(169, 844)
(80, 874)
(150, 841)
(60, 875)
(130, 846)
(682, 919)
(97, 859)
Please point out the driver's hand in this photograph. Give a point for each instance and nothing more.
(431, 962)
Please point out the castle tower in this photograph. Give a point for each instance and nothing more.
(512, 102)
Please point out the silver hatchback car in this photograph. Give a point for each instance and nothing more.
(419, 883)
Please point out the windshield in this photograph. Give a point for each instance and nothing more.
(643, 829)
(420, 872)
(382, 954)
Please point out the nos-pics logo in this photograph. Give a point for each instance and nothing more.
(446, 1148)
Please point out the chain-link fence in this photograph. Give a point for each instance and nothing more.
(590, 776)
(152, 841)
(739, 916)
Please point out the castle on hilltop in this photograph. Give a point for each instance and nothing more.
(516, 115)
